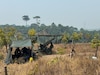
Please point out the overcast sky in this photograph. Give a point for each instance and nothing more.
(76, 13)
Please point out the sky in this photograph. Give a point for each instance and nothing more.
(77, 13)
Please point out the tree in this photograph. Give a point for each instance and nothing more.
(87, 37)
(97, 35)
(95, 43)
(1, 37)
(10, 31)
(75, 37)
(6, 36)
(18, 36)
(37, 22)
(26, 18)
(31, 32)
(65, 38)
(37, 19)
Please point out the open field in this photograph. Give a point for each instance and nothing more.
(58, 64)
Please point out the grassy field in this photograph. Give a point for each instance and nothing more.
(59, 63)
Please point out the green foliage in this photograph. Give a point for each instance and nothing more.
(10, 31)
(53, 61)
(76, 36)
(1, 42)
(95, 42)
(97, 35)
(19, 36)
(31, 32)
(54, 29)
(87, 36)
(1, 37)
(60, 51)
(6, 35)
(65, 37)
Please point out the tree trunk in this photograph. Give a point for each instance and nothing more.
(65, 45)
(6, 49)
(73, 43)
(96, 51)
(26, 23)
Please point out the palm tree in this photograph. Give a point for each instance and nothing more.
(26, 18)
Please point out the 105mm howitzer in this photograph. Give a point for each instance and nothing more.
(46, 47)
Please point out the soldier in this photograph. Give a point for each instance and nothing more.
(17, 52)
(49, 50)
(51, 46)
(24, 51)
(72, 52)
(29, 51)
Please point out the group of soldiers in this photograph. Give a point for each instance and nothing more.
(26, 53)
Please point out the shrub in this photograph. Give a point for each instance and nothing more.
(60, 51)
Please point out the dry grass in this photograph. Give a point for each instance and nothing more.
(80, 64)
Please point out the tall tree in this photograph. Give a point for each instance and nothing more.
(37, 19)
(37, 22)
(75, 37)
(6, 35)
(26, 18)
(65, 38)
(95, 42)
(87, 37)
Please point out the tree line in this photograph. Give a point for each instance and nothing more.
(54, 29)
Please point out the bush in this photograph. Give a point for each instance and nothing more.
(60, 51)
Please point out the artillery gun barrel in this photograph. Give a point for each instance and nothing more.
(48, 42)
